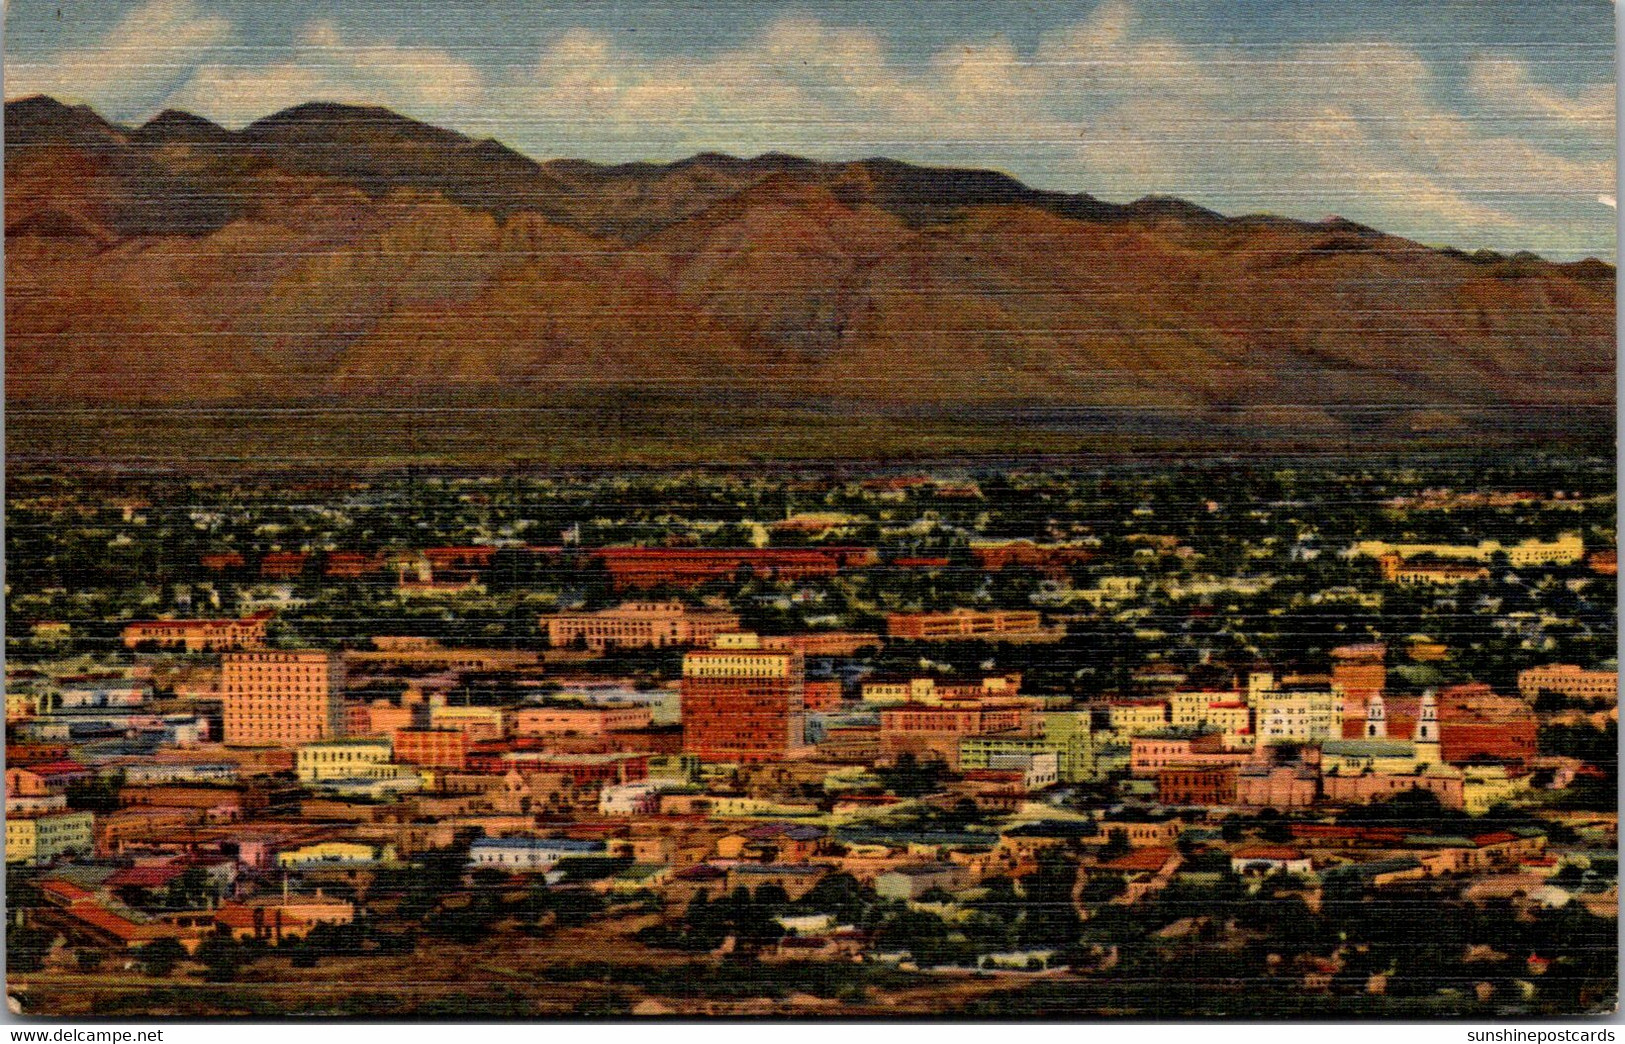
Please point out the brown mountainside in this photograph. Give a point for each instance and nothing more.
(350, 255)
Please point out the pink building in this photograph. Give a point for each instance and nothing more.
(1277, 786)
(580, 721)
(1367, 787)
(1148, 754)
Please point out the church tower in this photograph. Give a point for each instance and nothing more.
(1376, 719)
(1426, 737)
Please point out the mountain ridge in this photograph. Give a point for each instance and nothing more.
(331, 252)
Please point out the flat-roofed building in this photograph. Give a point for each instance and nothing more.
(939, 691)
(645, 567)
(1150, 754)
(479, 723)
(580, 721)
(198, 635)
(1397, 570)
(1570, 680)
(1297, 713)
(279, 698)
(341, 759)
(432, 748)
(1360, 671)
(1180, 784)
(399, 651)
(1567, 549)
(743, 704)
(1130, 718)
(823, 643)
(964, 624)
(42, 837)
(936, 733)
(639, 625)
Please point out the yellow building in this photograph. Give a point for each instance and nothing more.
(327, 853)
(342, 759)
(473, 722)
(1137, 719)
(934, 692)
(39, 839)
(1485, 786)
(20, 706)
(1565, 550)
(1192, 710)
(900, 690)
(1297, 715)
(1231, 717)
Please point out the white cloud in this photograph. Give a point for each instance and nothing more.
(1507, 86)
(143, 55)
(327, 66)
(1359, 128)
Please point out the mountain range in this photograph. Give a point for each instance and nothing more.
(336, 281)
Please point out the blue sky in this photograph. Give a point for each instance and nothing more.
(1477, 124)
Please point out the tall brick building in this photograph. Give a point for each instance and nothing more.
(743, 704)
(1360, 672)
(273, 698)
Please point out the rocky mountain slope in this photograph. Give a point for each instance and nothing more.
(352, 257)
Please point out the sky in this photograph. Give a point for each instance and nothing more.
(1477, 124)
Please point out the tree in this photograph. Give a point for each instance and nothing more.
(840, 895)
(221, 958)
(159, 958)
(188, 891)
(26, 947)
(1116, 846)
(1049, 917)
(908, 778)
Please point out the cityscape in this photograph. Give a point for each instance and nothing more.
(742, 515)
(1179, 739)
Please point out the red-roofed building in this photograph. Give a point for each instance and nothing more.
(1149, 860)
(221, 562)
(471, 557)
(283, 565)
(198, 635)
(152, 876)
(352, 565)
(632, 567)
(1270, 859)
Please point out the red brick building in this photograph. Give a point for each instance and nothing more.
(1196, 785)
(453, 559)
(1360, 671)
(432, 748)
(1475, 724)
(822, 695)
(1052, 560)
(1478, 724)
(635, 567)
(742, 704)
(283, 565)
(933, 732)
(352, 565)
